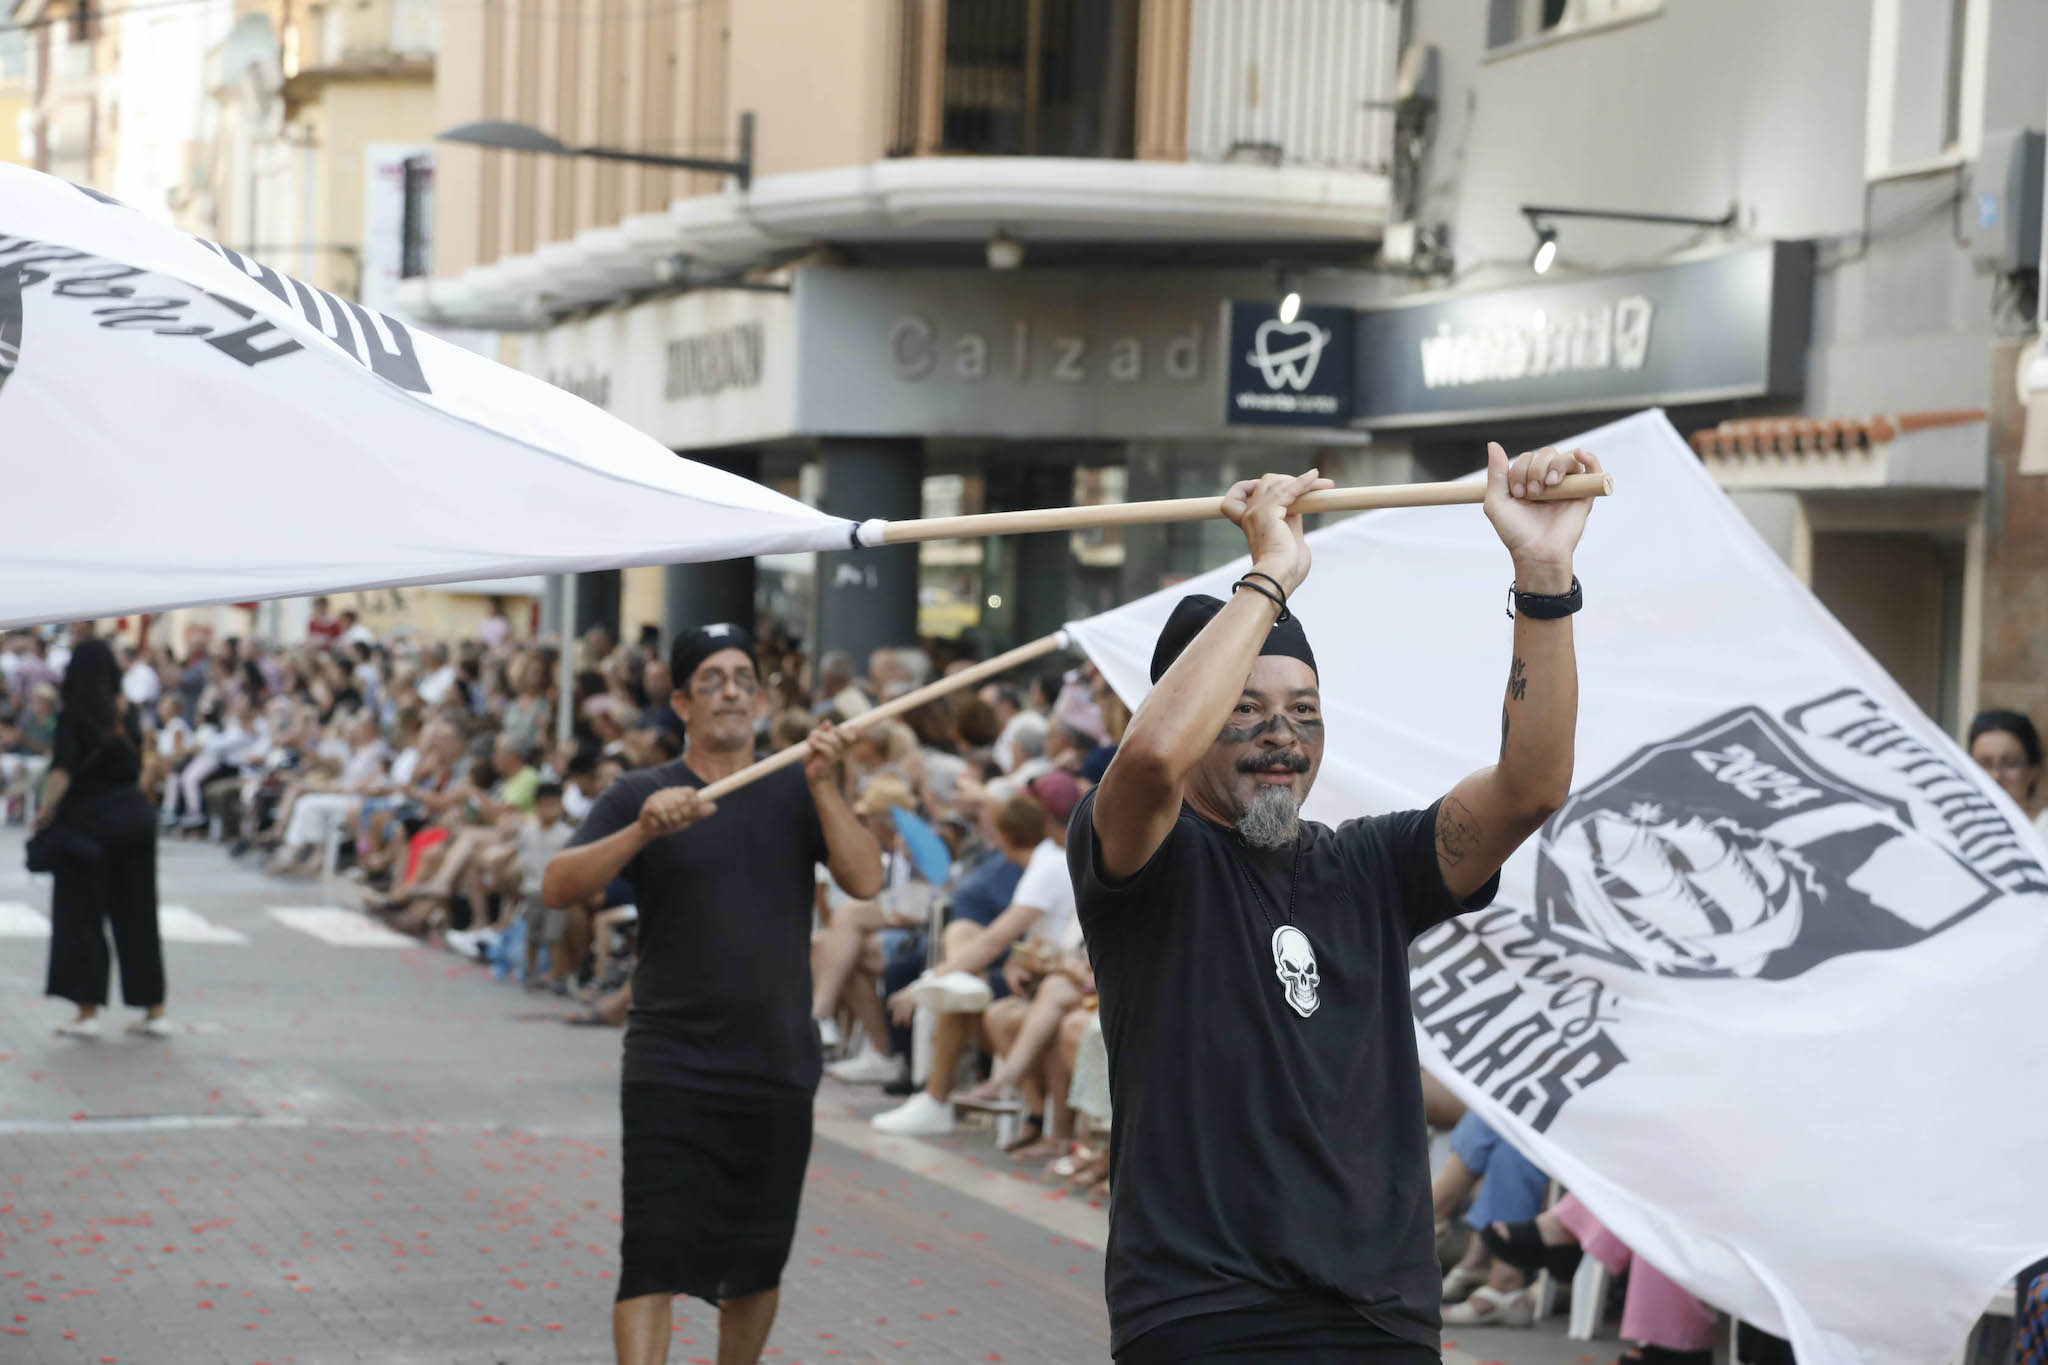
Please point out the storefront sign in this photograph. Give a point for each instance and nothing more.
(1025, 354)
(698, 371)
(1733, 325)
(1289, 373)
(729, 358)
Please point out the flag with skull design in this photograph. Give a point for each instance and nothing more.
(1771, 969)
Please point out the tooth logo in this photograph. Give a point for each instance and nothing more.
(1300, 351)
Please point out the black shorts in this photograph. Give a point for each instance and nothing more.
(710, 1188)
(1303, 1330)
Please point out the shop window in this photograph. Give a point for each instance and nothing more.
(1039, 77)
(1520, 23)
(1926, 91)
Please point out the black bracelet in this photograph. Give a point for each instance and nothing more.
(1275, 598)
(1545, 606)
(1254, 573)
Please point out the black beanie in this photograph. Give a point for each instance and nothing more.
(694, 647)
(1193, 612)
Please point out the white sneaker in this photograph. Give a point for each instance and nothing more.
(146, 1027)
(953, 993)
(918, 1116)
(461, 942)
(869, 1068)
(828, 1034)
(84, 1029)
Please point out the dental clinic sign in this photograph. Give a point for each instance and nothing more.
(1288, 373)
(1730, 325)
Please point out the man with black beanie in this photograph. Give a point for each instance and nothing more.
(1269, 1160)
(721, 1056)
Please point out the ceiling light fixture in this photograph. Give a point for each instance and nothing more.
(1545, 254)
(1005, 252)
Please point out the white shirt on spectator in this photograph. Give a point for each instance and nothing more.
(537, 844)
(359, 634)
(169, 736)
(1006, 752)
(140, 684)
(575, 804)
(435, 685)
(403, 767)
(1047, 888)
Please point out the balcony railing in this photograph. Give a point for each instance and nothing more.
(1016, 77)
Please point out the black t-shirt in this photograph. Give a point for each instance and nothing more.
(97, 763)
(722, 990)
(1269, 1138)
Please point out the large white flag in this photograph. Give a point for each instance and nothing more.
(180, 424)
(1766, 994)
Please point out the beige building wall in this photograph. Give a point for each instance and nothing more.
(819, 76)
(352, 114)
(14, 102)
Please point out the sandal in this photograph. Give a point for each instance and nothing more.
(1459, 1284)
(1490, 1307)
(1523, 1247)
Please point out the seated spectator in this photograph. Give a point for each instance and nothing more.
(1670, 1326)
(847, 958)
(957, 990)
(1483, 1289)
(321, 804)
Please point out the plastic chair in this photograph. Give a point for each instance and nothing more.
(1589, 1300)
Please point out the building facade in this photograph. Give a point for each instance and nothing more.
(1005, 253)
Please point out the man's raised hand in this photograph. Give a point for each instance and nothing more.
(1262, 509)
(1540, 533)
(672, 809)
(827, 749)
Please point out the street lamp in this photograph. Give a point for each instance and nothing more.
(504, 136)
(1546, 236)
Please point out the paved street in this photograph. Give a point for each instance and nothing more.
(357, 1150)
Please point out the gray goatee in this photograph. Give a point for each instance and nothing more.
(1270, 819)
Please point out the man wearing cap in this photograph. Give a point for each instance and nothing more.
(969, 978)
(1269, 1164)
(721, 1056)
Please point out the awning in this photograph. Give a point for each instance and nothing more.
(912, 200)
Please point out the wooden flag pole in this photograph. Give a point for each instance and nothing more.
(889, 710)
(1200, 509)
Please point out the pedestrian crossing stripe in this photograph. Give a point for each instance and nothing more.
(174, 924)
(183, 924)
(22, 921)
(340, 928)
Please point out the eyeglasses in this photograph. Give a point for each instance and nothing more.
(711, 684)
(2005, 764)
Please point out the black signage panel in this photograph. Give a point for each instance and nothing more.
(1294, 374)
(1734, 325)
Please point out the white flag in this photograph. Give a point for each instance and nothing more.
(1766, 992)
(181, 425)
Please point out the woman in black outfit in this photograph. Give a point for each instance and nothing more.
(94, 790)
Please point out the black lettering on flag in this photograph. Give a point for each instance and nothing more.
(1455, 1032)
(391, 350)
(1505, 1048)
(242, 345)
(1575, 1071)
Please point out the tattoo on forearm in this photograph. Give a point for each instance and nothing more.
(1503, 730)
(1518, 682)
(1457, 831)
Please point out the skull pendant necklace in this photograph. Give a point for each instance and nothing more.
(1294, 960)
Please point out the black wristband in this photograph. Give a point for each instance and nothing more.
(1541, 606)
(1254, 573)
(1275, 598)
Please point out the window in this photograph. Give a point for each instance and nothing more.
(1039, 77)
(1926, 91)
(416, 217)
(1517, 23)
